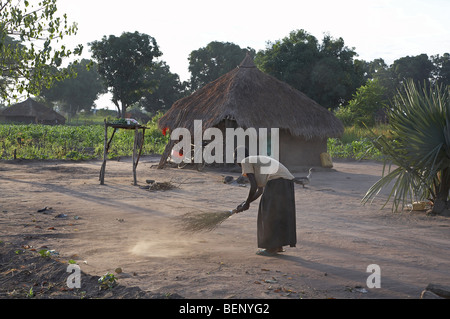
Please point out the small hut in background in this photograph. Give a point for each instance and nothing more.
(31, 112)
(246, 97)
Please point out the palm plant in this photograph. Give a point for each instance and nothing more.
(419, 152)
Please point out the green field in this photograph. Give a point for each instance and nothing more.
(82, 142)
(68, 142)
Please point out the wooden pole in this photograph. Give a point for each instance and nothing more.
(165, 155)
(136, 134)
(105, 151)
(141, 138)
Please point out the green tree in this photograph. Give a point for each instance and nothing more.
(30, 65)
(291, 60)
(168, 89)
(417, 68)
(217, 58)
(326, 71)
(420, 149)
(376, 66)
(367, 103)
(7, 63)
(384, 74)
(441, 73)
(79, 92)
(421, 69)
(124, 63)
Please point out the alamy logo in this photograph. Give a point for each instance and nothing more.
(74, 279)
(258, 142)
(374, 280)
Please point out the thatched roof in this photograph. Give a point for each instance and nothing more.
(32, 109)
(253, 99)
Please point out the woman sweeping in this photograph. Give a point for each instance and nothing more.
(276, 223)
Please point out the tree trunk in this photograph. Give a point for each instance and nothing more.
(124, 109)
(118, 108)
(441, 204)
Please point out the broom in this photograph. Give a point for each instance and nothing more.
(198, 221)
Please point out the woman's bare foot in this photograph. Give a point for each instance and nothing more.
(269, 251)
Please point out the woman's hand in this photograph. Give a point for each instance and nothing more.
(242, 207)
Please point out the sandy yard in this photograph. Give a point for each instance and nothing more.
(118, 225)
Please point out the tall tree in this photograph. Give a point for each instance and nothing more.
(79, 92)
(417, 68)
(441, 73)
(217, 58)
(420, 69)
(30, 66)
(326, 71)
(168, 89)
(291, 60)
(123, 63)
(378, 70)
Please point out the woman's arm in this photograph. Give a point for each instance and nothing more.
(254, 193)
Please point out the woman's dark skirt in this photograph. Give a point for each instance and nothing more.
(276, 215)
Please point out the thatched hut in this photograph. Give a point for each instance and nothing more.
(246, 97)
(31, 112)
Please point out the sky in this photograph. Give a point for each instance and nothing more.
(387, 29)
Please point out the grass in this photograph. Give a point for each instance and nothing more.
(356, 143)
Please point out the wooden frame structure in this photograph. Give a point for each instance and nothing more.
(138, 144)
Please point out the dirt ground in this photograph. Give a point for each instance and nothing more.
(132, 233)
